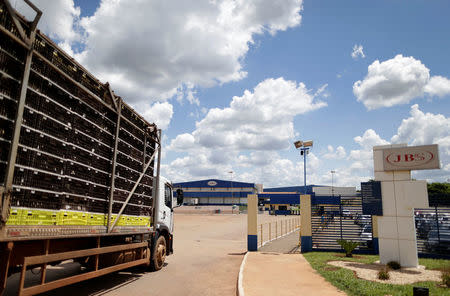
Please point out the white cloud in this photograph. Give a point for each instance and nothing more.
(418, 129)
(398, 81)
(321, 91)
(59, 19)
(362, 159)
(258, 120)
(438, 86)
(357, 52)
(424, 129)
(246, 135)
(339, 153)
(369, 139)
(159, 113)
(155, 50)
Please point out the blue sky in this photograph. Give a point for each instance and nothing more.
(234, 83)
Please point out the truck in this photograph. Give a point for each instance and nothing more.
(79, 167)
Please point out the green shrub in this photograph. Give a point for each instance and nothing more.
(383, 274)
(348, 246)
(446, 277)
(394, 265)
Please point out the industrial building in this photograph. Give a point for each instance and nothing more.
(316, 189)
(286, 200)
(217, 192)
(226, 192)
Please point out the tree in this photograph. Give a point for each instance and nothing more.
(439, 194)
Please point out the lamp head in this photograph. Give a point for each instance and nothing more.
(308, 143)
(298, 144)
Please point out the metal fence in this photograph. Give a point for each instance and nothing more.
(275, 229)
(433, 232)
(340, 218)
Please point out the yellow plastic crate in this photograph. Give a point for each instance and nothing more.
(15, 216)
(95, 219)
(134, 220)
(39, 217)
(144, 221)
(123, 221)
(73, 218)
(111, 221)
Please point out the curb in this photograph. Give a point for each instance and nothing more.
(240, 287)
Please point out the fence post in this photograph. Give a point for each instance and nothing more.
(262, 234)
(252, 222)
(270, 231)
(305, 224)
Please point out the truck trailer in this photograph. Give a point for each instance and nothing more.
(79, 168)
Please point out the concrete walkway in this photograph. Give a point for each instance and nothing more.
(281, 274)
(287, 244)
(279, 269)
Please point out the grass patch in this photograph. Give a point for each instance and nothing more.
(345, 280)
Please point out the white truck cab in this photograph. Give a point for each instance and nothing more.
(165, 202)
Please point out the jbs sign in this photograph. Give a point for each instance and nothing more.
(411, 158)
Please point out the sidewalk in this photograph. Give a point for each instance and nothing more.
(281, 274)
(277, 270)
(286, 245)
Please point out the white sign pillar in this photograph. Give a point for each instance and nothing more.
(400, 195)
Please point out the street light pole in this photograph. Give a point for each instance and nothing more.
(304, 149)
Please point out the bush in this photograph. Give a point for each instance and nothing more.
(348, 246)
(393, 265)
(383, 274)
(446, 277)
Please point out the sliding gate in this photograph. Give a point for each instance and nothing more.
(336, 217)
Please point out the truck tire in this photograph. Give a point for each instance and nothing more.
(158, 254)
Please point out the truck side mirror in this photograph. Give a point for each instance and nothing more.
(180, 197)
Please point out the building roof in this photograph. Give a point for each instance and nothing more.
(214, 183)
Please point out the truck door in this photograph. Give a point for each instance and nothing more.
(166, 209)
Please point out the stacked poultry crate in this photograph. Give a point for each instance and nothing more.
(64, 164)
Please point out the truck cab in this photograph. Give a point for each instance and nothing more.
(165, 202)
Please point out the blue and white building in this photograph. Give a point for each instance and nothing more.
(216, 192)
(318, 190)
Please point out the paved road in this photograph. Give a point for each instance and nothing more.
(208, 253)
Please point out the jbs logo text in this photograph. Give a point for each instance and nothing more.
(409, 159)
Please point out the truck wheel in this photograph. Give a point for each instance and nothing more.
(158, 254)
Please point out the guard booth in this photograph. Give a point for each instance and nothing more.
(280, 203)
